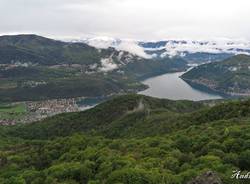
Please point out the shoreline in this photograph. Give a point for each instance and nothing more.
(225, 94)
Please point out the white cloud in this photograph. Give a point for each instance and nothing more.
(137, 19)
(133, 48)
(130, 46)
(212, 46)
(108, 65)
(101, 42)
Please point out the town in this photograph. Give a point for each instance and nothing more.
(38, 110)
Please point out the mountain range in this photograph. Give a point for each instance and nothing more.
(191, 50)
(41, 68)
(33, 67)
(129, 139)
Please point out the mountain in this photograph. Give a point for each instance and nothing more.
(197, 51)
(131, 139)
(231, 76)
(37, 68)
(45, 51)
(191, 50)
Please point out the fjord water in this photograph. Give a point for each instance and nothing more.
(171, 86)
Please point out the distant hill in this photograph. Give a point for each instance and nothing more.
(125, 114)
(231, 76)
(131, 139)
(133, 116)
(34, 49)
(44, 51)
(37, 68)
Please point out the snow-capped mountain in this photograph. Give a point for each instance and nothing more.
(197, 51)
(191, 50)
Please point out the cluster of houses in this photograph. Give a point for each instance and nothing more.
(7, 122)
(42, 109)
(38, 110)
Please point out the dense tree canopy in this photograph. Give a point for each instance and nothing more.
(165, 142)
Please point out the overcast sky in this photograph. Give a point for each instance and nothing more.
(136, 19)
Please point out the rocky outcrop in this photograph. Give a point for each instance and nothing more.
(206, 178)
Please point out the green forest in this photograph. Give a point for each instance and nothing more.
(231, 76)
(131, 139)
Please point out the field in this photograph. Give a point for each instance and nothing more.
(12, 111)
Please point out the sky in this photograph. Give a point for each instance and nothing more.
(134, 19)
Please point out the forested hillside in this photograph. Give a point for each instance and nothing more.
(231, 76)
(130, 139)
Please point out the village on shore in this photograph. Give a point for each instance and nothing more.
(38, 110)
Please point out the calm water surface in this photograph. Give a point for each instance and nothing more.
(171, 86)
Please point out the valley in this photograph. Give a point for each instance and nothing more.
(37, 68)
(160, 86)
(124, 92)
(69, 114)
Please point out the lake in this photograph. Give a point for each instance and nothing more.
(171, 86)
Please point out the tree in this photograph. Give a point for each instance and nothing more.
(184, 143)
(244, 160)
(134, 176)
(171, 163)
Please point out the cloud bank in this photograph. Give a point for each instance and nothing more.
(136, 19)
